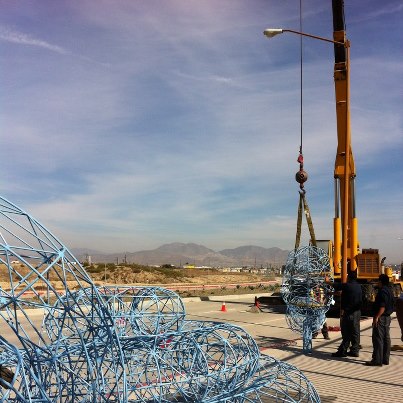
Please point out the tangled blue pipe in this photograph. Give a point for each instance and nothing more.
(116, 344)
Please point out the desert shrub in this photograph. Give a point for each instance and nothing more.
(93, 269)
(167, 266)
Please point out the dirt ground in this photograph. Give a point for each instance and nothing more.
(185, 281)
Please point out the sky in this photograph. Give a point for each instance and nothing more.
(128, 124)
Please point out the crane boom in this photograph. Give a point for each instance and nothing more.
(345, 221)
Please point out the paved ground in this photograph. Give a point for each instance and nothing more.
(336, 379)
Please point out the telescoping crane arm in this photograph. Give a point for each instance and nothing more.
(345, 221)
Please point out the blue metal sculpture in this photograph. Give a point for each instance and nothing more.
(229, 353)
(71, 362)
(304, 290)
(134, 310)
(144, 310)
(121, 344)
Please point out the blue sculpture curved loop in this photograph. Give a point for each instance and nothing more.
(121, 344)
(304, 290)
(277, 381)
(134, 310)
(231, 354)
(164, 368)
(140, 310)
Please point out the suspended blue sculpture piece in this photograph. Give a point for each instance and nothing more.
(116, 343)
(304, 290)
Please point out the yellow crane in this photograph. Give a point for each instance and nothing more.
(345, 251)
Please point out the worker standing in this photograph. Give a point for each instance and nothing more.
(399, 314)
(351, 300)
(383, 308)
(324, 330)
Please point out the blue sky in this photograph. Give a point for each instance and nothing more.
(126, 124)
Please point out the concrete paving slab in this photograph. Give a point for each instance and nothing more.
(339, 380)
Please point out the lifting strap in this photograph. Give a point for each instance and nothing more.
(303, 207)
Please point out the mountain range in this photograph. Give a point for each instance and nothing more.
(179, 254)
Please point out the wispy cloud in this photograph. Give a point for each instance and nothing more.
(9, 35)
(384, 10)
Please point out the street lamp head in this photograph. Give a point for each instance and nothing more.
(270, 32)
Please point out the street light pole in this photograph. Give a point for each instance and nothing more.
(271, 32)
(346, 170)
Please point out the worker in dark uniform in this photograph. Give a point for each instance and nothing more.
(399, 306)
(324, 331)
(382, 309)
(399, 314)
(351, 300)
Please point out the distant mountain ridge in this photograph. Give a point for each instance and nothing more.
(178, 253)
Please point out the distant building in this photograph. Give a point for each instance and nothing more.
(232, 269)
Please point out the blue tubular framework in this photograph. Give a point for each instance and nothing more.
(304, 290)
(116, 343)
(71, 363)
(144, 310)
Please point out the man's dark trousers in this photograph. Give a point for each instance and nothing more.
(381, 340)
(350, 332)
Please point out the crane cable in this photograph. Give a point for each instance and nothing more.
(301, 176)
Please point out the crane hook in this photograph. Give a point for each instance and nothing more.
(301, 176)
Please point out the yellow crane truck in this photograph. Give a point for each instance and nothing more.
(344, 251)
